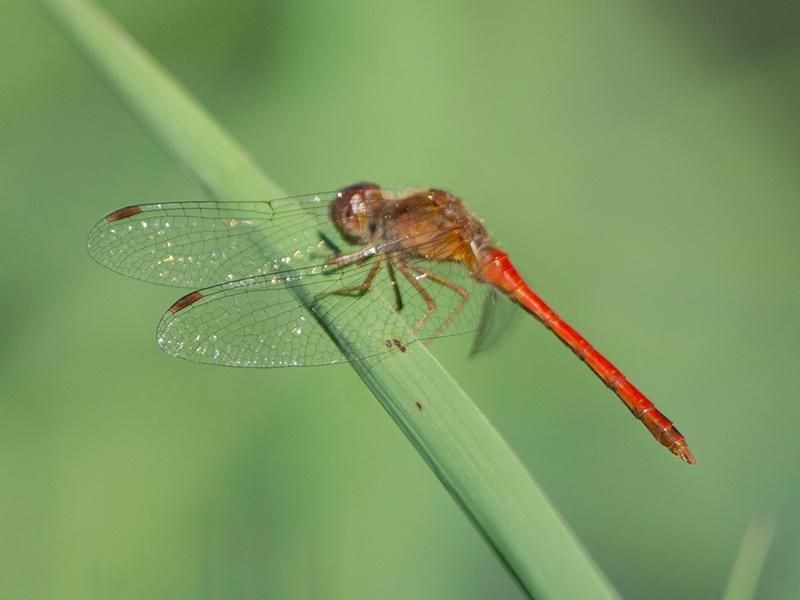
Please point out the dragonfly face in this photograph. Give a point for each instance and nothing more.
(356, 212)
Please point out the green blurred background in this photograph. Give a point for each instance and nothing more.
(639, 161)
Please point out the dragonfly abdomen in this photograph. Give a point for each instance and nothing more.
(498, 270)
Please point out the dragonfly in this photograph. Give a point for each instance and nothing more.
(273, 280)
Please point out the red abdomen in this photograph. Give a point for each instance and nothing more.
(496, 269)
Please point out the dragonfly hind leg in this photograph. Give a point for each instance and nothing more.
(450, 285)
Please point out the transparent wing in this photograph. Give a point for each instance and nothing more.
(262, 321)
(459, 299)
(198, 244)
(496, 318)
(256, 261)
(254, 322)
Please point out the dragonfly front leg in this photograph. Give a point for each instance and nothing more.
(337, 261)
(357, 290)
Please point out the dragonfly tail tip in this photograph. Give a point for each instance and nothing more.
(681, 450)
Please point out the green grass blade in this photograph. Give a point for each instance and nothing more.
(470, 458)
(749, 563)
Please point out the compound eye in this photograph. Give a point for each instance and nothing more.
(350, 211)
(356, 189)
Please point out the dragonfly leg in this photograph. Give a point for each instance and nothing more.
(422, 292)
(357, 290)
(344, 260)
(398, 297)
(451, 285)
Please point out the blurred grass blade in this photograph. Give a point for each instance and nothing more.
(747, 567)
(470, 458)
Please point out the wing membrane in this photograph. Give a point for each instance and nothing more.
(496, 317)
(261, 322)
(255, 322)
(198, 244)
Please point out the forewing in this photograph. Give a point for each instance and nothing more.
(198, 244)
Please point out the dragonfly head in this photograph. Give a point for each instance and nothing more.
(354, 211)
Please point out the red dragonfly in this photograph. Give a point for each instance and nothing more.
(418, 251)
